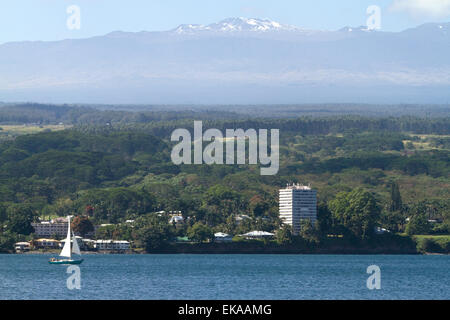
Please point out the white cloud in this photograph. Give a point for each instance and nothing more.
(437, 9)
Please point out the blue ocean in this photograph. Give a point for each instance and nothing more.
(275, 277)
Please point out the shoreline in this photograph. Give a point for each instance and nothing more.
(402, 246)
(256, 252)
(85, 253)
(240, 253)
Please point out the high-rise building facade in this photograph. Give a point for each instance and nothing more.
(297, 203)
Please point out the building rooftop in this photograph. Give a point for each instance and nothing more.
(297, 186)
(221, 235)
(111, 241)
(176, 219)
(257, 234)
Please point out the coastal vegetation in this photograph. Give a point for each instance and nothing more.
(110, 166)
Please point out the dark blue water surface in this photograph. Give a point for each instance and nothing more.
(227, 277)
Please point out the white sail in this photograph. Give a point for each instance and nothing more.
(75, 247)
(66, 252)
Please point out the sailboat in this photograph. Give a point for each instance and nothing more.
(69, 248)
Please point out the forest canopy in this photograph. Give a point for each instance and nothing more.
(117, 163)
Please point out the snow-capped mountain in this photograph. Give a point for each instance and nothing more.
(236, 25)
(236, 60)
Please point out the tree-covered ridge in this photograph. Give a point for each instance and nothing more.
(291, 127)
(97, 115)
(20, 113)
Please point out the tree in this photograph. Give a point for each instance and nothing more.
(210, 215)
(355, 213)
(105, 232)
(258, 206)
(153, 231)
(89, 211)
(20, 217)
(418, 224)
(114, 204)
(7, 240)
(418, 221)
(396, 198)
(3, 216)
(308, 230)
(223, 201)
(392, 220)
(115, 232)
(324, 219)
(200, 232)
(82, 225)
(63, 207)
(244, 226)
(284, 234)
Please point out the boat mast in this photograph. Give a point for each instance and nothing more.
(69, 237)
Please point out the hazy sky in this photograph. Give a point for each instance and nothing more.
(46, 19)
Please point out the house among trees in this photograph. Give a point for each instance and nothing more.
(22, 246)
(112, 245)
(46, 243)
(257, 235)
(222, 237)
(176, 220)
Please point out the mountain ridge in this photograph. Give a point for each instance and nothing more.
(255, 61)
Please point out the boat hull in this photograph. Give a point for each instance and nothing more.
(66, 261)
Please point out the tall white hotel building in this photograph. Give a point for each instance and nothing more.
(297, 203)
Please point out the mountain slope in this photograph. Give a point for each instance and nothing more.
(236, 60)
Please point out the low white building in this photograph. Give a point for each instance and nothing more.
(177, 220)
(116, 245)
(22, 246)
(379, 230)
(46, 244)
(257, 235)
(222, 237)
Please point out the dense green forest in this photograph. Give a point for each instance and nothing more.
(20, 113)
(114, 165)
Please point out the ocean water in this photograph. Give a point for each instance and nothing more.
(226, 277)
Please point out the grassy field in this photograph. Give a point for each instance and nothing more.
(9, 132)
(27, 129)
(424, 142)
